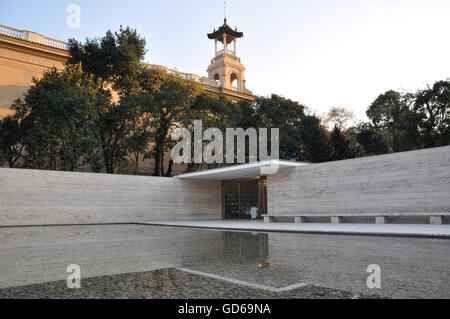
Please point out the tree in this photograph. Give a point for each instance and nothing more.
(372, 141)
(301, 136)
(218, 112)
(113, 131)
(391, 113)
(11, 144)
(315, 141)
(115, 59)
(432, 107)
(57, 117)
(340, 146)
(282, 113)
(339, 117)
(138, 140)
(166, 101)
(215, 112)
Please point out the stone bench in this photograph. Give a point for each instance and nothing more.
(435, 218)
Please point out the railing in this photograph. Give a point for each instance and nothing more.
(32, 37)
(55, 43)
(11, 32)
(223, 51)
(188, 76)
(210, 82)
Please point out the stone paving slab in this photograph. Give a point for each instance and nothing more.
(403, 230)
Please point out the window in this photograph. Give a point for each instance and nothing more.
(234, 81)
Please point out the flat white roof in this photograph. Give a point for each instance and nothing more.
(240, 171)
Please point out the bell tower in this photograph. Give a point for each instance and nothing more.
(226, 68)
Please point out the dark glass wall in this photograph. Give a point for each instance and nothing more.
(240, 196)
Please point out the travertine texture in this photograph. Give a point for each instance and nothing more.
(33, 197)
(415, 182)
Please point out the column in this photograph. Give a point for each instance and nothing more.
(225, 44)
(380, 220)
(436, 220)
(299, 220)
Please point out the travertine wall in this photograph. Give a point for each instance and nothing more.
(410, 182)
(33, 197)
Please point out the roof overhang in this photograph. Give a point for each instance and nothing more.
(243, 171)
(225, 29)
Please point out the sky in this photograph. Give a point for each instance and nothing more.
(322, 53)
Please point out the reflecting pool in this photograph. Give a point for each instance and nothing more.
(162, 262)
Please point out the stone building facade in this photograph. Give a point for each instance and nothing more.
(25, 54)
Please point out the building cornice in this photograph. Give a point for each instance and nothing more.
(229, 93)
(35, 49)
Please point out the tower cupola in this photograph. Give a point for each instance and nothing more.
(226, 67)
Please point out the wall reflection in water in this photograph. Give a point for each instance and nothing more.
(248, 248)
(411, 267)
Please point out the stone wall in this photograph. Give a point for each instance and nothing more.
(415, 182)
(33, 197)
(20, 62)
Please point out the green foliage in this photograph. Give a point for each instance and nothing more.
(409, 121)
(432, 107)
(115, 58)
(391, 113)
(11, 146)
(57, 117)
(372, 141)
(315, 146)
(340, 146)
(285, 114)
(165, 101)
(218, 112)
(113, 128)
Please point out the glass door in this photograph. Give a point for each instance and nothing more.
(242, 199)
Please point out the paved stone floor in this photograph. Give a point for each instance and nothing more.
(410, 267)
(165, 284)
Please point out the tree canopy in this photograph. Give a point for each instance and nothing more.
(57, 118)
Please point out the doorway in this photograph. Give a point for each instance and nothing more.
(244, 199)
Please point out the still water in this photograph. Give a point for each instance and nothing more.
(410, 267)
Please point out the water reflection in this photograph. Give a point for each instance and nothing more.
(246, 248)
(410, 267)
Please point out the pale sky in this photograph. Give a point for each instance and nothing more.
(322, 53)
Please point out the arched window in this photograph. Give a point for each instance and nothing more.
(216, 77)
(234, 81)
